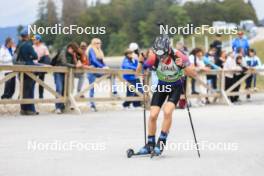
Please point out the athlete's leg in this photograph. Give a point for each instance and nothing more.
(152, 122)
(168, 110)
(156, 103)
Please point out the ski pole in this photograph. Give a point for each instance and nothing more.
(190, 118)
(144, 111)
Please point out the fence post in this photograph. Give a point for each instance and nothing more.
(222, 87)
(230, 42)
(193, 42)
(111, 84)
(206, 43)
(21, 87)
(70, 98)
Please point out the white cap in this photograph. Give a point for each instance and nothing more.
(133, 46)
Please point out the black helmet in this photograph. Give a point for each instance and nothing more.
(161, 45)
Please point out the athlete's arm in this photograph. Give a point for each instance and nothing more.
(184, 62)
(144, 64)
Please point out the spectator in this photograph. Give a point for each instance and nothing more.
(6, 58)
(230, 64)
(240, 42)
(197, 60)
(67, 58)
(131, 63)
(210, 60)
(96, 56)
(43, 58)
(252, 61)
(222, 59)
(194, 54)
(217, 44)
(135, 49)
(26, 56)
(238, 75)
(84, 60)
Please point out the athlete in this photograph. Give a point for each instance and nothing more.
(170, 66)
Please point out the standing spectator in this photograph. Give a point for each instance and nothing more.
(135, 49)
(131, 63)
(230, 64)
(252, 61)
(67, 58)
(217, 44)
(194, 55)
(221, 60)
(197, 60)
(210, 60)
(43, 58)
(26, 56)
(6, 58)
(95, 56)
(240, 42)
(238, 75)
(84, 60)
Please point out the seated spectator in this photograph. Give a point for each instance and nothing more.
(6, 58)
(252, 61)
(95, 56)
(43, 58)
(131, 63)
(67, 58)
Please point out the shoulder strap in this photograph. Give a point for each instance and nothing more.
(156, 64)
(172, 55)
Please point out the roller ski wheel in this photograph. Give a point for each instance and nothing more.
(130, 153)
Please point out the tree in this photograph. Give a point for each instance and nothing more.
(47, 18)
(71, 11)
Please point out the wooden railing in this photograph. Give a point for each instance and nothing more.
(69, 98)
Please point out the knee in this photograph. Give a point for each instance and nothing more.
(167, 113)
(153, 116)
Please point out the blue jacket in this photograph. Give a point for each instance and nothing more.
(27, 53)
(253, 61)
(240, 43)
(97, 63)
(129, 65)
(207, 62)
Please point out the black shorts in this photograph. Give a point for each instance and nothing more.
(173, 96)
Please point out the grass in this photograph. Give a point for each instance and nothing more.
(258, 46)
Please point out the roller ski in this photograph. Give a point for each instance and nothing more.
(144, 151)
